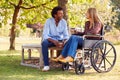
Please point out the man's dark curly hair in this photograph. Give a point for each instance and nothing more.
(55, 10)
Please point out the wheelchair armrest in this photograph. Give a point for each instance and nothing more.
(92, 36)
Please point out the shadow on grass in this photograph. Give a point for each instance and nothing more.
(10, 64)
(10, 69)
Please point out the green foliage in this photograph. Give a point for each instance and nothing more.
(81, 1)
(32, 1)
(76, 11)
(116, 3)
(39, 14)
(117, 24)
(0, 25)
(116, 9)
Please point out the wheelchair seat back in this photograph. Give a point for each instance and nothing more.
(89, 43)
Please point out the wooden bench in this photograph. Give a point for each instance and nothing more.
(39, 64)
(57, 49)
(33, 61)
(29, 61)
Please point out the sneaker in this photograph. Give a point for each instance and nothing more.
(46, 68)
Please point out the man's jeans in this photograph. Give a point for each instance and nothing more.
(45, 45)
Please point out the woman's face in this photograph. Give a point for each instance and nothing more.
(87, 15)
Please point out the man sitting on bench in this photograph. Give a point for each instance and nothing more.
(55, 31)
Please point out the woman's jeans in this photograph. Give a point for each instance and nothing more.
(68, 50)
(71, 46)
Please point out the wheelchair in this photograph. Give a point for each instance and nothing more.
(99, 53)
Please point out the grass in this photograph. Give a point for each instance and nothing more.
(10, 68)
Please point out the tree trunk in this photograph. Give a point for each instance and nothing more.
(12, 34)
(62, 3)
(14, 21)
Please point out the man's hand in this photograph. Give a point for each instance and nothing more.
(56, 43)
(64, 41)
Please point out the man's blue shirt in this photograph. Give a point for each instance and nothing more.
(59, 32)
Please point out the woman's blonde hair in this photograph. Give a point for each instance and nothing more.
(94, 17)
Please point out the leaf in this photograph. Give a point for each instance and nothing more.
(0, 25)
(89, 1)
(32, 1)
(6, 0)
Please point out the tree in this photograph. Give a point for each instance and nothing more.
(77, 10)
(116, 3)
(116, 9)
(33, 11)
(17, 5)
(14, 21)
(63, 4)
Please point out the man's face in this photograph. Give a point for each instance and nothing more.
(59, 14)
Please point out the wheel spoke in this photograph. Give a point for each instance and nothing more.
(110, 56)
(101, 50)
(108, 51)
(108, 61)
(100, 63)
(104, 59)
(105, 48)
(104, 65)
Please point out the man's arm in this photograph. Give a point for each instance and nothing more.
(55, 42)
(65, 32)
(46, 33)
(46, 30)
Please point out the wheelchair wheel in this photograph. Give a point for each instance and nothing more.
(79, 68)
(65, 66)
(103, 56)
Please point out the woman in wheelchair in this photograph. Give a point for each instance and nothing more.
(93, 26)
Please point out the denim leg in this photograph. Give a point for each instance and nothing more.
(45, 45)
(66, 47)
(80, 42)
(71, 46)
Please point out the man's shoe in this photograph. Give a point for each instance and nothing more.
(46, 68)
(67, 59)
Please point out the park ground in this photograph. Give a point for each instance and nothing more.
(10, 68)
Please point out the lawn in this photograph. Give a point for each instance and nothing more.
(10, 69)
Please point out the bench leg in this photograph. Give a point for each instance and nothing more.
(29, 53)
(51, 53)
(58, 52)
(40, 58)
(22, 55)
